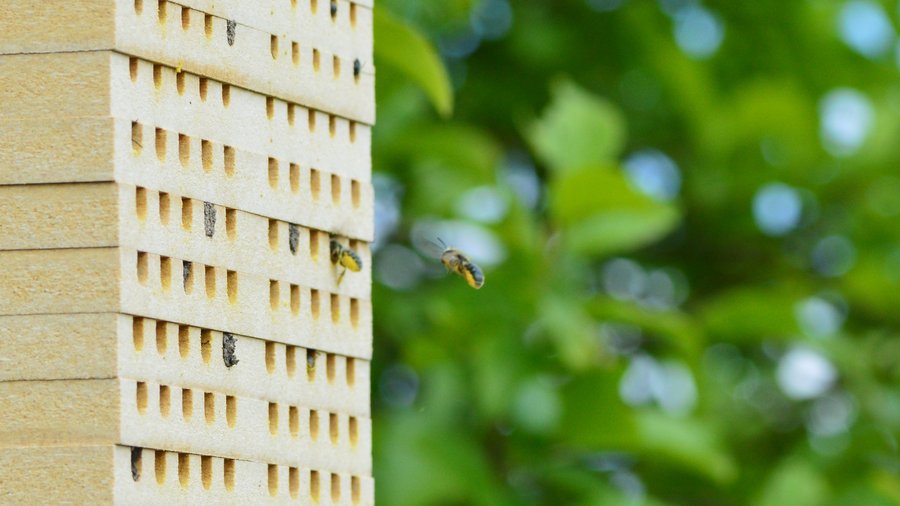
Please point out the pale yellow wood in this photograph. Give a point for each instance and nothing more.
(38, 476)
(62, 150)
(160, 96)
(108, 345)
(254, 60)
(226, 426)
(322, 321)
(170, 177)
(297, 21)
(28, 26)
(92, 215)
(57, 85)
(102, 475)
(59, 216)
(53, 413)
(59, 281)
(146, 414)
(62, 346)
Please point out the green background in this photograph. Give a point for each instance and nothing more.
(731, 338)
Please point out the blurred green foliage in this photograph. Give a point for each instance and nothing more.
(690, 296)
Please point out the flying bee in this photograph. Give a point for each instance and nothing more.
(455, 261)
(345, 257)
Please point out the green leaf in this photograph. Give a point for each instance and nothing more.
(752, 314)
(570, 329)
(402, 47)
(618, 231)
(593, 415)
(577, 129)
(795, 481)
(602, 215)
(685, 442)
(425, 460)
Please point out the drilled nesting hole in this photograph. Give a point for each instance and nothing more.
(295, 177)
(209, 407)
(315, 183)
(273, 294)
(273, 173)
(210, 278)
(273, 418)
(290, 359)
(335, 189)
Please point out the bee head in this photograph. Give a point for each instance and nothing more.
(336, 249)
(451, 258)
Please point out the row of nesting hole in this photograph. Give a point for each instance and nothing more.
(229, 476)
(274, 50)
(272, 349)
(275, 166)
(162, 13)
(209, 413)
(165, 269)
(231, 282)
(203, 87)
(210, 217)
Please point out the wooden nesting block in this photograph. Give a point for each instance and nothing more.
(260, 184)
(245, 304)
(262, 60)
(144, 414)
(201, 108)
(182, 478)
(341, 26)
(108, 345)
(232, 179)
(58, 475)
(92, 215)
(90, 281)
(59, 281)
(142, 476)
(36, 150)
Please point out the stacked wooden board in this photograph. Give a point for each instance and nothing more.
(172, 329)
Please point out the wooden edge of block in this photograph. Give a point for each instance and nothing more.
(57, 475)
(55, 347)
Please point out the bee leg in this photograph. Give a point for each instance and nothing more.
(341, 276)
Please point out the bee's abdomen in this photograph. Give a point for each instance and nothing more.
(351, 260)
(473, 275)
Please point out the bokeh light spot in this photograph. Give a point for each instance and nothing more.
(805, 374)
(833, 256)
(777, 208)
(865, 27)
(399, 385)
(653, 173)
(698, 31)
(624, 279)
(537, 407)
(491, 19)
(670, 385)
(484, 204)
(832, 414)
(818, 317)
(846, 117)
